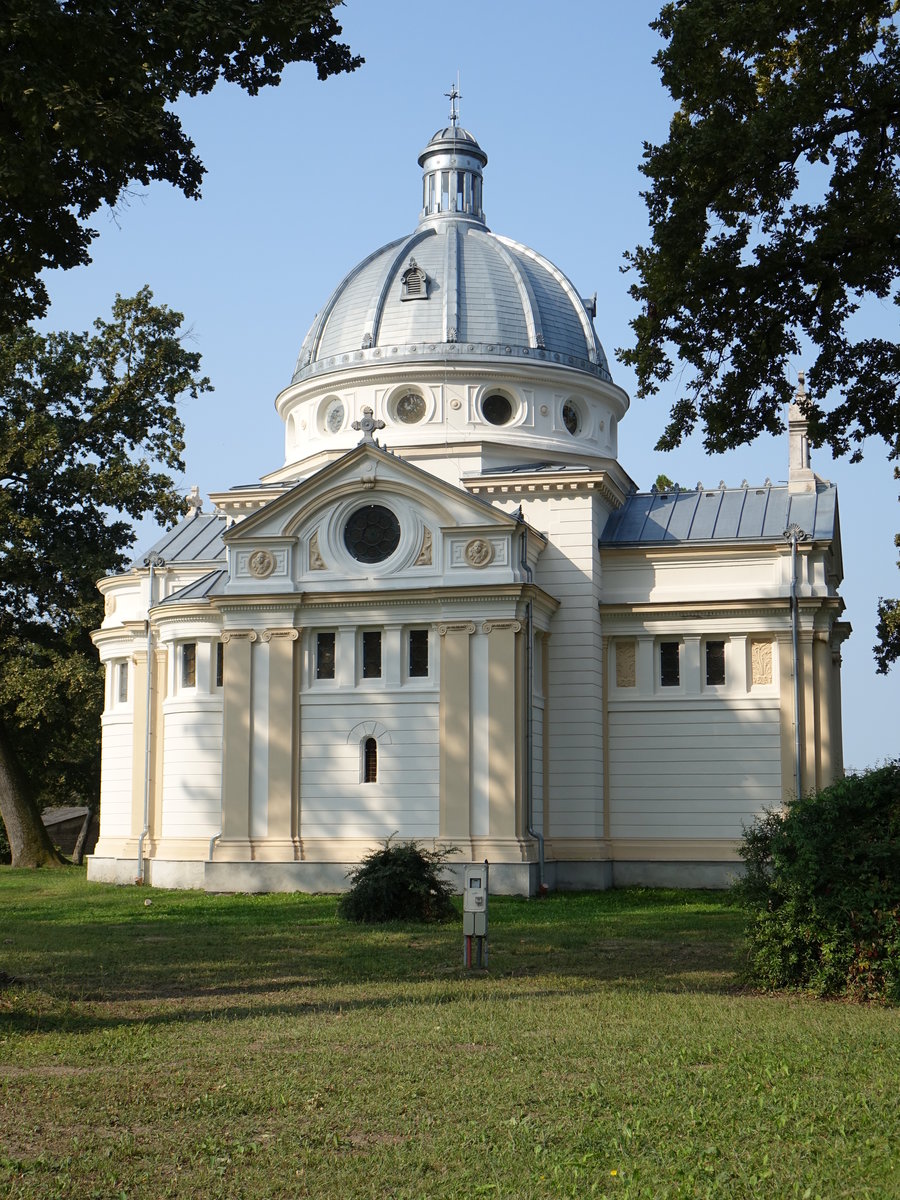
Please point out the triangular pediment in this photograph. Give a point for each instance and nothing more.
(370, 517)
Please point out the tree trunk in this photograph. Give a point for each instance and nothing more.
(28, 839)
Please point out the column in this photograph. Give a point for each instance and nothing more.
(454, 729)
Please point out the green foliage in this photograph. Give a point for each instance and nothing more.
(400, 882)
(822, 890)
(89, 433)
(86, 108)
(775, 210)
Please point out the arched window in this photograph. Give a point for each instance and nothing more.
(370, 761)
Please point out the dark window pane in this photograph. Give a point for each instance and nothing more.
(669, 674)
(372, 534)
(371, 655)
(189, 664)
(325, 656)
(370, 761)
(497, 409)
(715, 663)
(418, 652)
(220, 664)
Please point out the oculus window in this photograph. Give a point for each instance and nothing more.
(372, 533)
(497, 409)
(334, 416)
(571, 417)
(409, 408)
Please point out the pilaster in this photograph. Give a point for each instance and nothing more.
(455, 734)
(236, 760)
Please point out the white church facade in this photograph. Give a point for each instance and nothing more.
(450, 615)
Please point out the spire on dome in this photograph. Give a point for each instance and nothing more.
(454, 96)
(452, 163)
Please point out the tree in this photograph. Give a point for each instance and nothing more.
(86, 90)
(775, 212)
(88, 433)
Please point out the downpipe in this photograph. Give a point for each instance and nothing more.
(795, 534)
(153, 561)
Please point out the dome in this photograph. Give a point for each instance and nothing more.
(452, 289)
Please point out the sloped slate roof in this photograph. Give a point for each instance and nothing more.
(212, 584)
(198, 538)
(723, 515)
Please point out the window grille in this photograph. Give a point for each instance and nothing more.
(325, 656)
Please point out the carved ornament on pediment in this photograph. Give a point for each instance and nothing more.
(261, 564)
(109, 605)
(479, 552)
(316, 561)
(424, 559)
(456, 627)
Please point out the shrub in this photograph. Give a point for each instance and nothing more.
(400, 882)
(822, 890)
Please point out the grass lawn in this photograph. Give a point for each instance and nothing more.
(173, 1044)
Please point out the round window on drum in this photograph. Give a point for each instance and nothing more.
(571, 417)
(409, 408)
(497, 409)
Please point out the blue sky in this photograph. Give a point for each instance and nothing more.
(306, 179)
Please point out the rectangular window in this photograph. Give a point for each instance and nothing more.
(189, 664)
(325, 656)
(220, 664)
(669, 664)
(418, 653)
(715, 663)
(123, 683)
(371, 648)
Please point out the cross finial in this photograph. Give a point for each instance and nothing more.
(454, 96)
(367, 424)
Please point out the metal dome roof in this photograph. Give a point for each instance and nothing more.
(453, 289)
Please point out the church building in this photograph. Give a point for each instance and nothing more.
(451, 615)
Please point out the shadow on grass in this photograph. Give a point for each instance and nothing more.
(74, 948)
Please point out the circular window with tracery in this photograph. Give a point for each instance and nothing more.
(372, 533)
